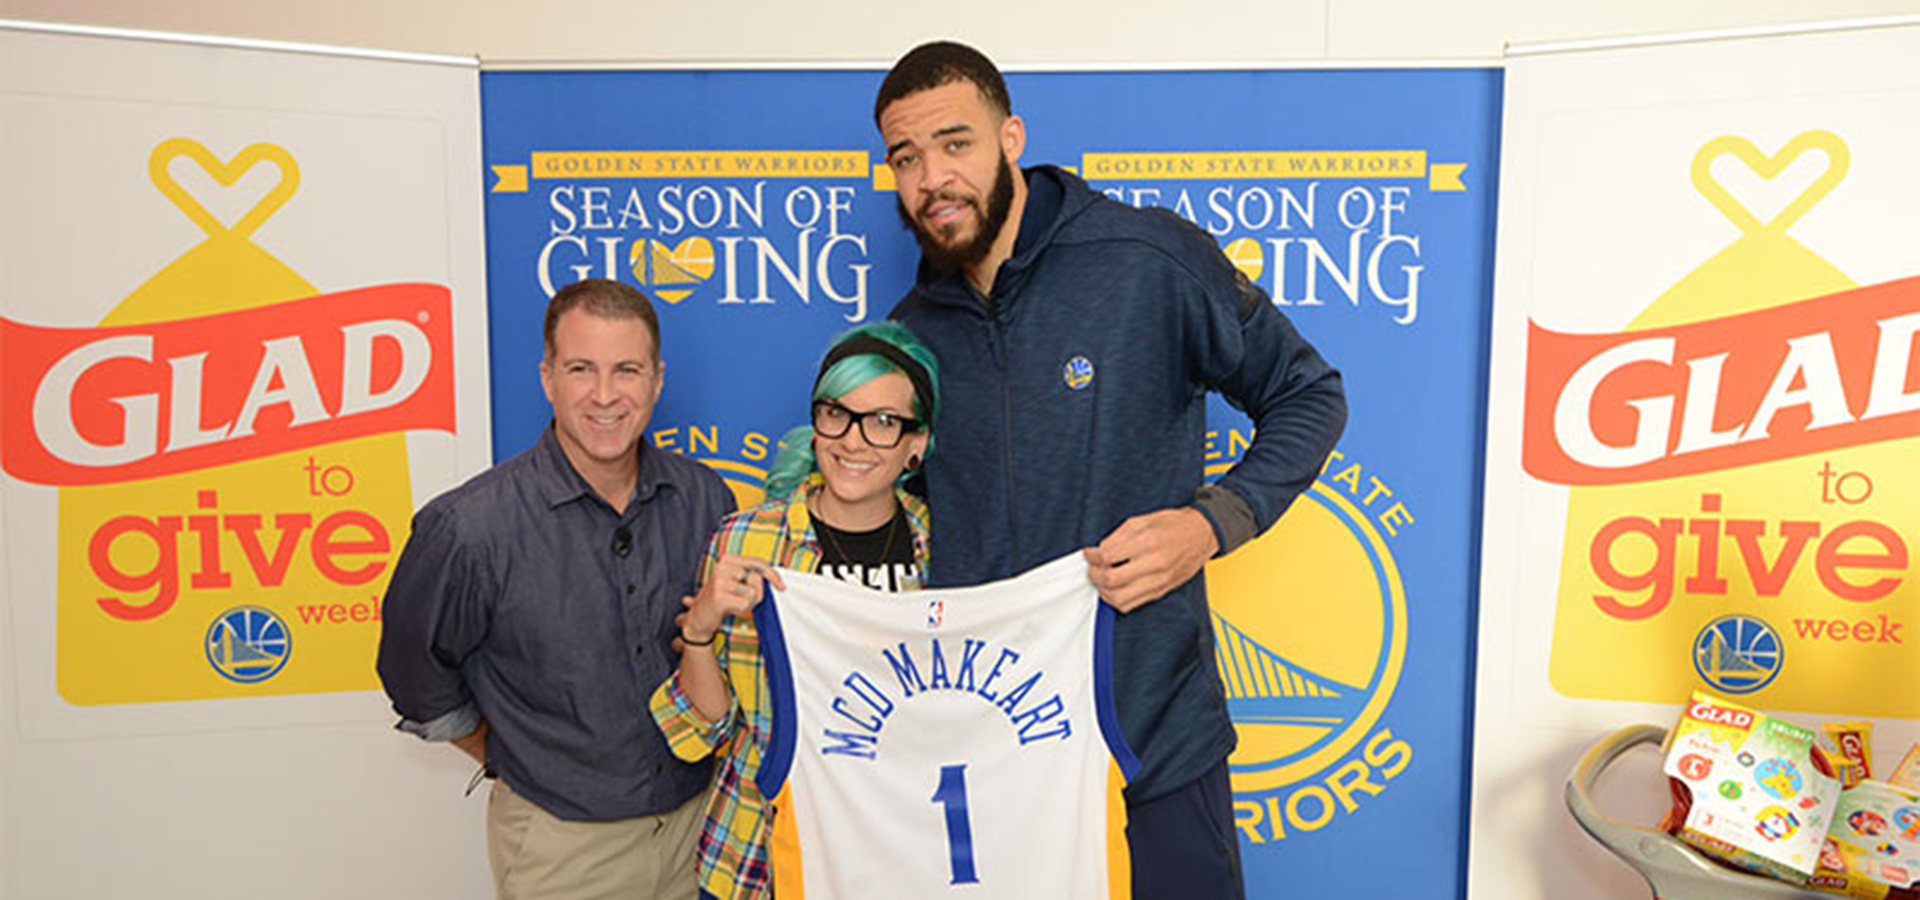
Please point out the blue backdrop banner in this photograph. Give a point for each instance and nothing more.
(756, 209)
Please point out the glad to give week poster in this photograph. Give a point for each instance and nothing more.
(241, 338)
(1704, 428)
(756, 209)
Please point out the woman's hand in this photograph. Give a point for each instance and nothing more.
(733, 588)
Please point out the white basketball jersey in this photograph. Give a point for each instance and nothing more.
(945, 743)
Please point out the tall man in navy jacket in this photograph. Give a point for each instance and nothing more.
(1079, 338)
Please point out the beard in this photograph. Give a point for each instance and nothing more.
(947, 258)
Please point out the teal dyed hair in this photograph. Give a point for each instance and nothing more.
(795, 461)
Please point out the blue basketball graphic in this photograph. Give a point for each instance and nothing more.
(1738, 654)
(248, 644)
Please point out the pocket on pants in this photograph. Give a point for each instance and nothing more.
(513, 825)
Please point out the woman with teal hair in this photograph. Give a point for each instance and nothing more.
(835, 507)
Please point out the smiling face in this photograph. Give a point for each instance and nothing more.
(860, 476)
(603, 377)
(952, 157)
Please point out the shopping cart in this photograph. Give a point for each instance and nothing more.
(1674, 870)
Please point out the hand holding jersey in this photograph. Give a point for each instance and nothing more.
(964, 738)
(1149, 555)
(733, 588)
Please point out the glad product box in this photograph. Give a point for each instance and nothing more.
(1876, 827)
(1759, 799)
(1907, 773)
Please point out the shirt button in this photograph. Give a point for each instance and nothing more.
(630, 590)
(640, 649)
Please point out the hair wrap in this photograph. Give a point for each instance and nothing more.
(865, 345)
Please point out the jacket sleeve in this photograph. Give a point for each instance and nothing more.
(1242, 346)
(437, 610)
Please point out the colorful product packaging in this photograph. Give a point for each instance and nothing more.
(1759, 799)
(1907, 773)
(1876, 826)
(1844, 874)
(1855, 743)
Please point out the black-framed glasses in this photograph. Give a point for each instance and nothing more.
(881, 428)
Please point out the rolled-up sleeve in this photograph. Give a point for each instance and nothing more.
(689, 735)
(437, 610)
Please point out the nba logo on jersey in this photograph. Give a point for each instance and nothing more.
(967, 743)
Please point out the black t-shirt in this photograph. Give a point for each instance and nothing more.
(881, 559)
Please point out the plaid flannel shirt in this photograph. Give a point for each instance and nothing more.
(733, 840)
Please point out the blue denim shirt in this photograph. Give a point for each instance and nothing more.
(517, 601)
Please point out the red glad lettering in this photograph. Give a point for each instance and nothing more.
(1658, 576)
(163, 574)
(1769, 579)
(326, 547)
(1717, 715)
(268, 553)
(120, 403)
(1892, 557)
(270, 571)
(1823, 373)
(1768, 552)
(338, 613)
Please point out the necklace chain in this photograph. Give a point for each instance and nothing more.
(893, 528)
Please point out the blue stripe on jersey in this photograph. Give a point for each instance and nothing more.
(778, 758)
(1103, 691)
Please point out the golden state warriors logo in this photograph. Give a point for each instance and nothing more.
(1310, 636)
(248, 644)
(1077, 373)
(671, 273)
(739, 456)
(1738, 654)
(1245, 255)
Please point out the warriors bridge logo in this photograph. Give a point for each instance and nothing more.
(1741, 490)
(1310, 660)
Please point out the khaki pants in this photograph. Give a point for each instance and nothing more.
(538, 857)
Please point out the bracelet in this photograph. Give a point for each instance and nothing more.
(693, 643)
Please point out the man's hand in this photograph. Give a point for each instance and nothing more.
(1149, 555)
(733, 588)
(475, 743)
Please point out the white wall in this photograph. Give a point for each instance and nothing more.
(1013, 31)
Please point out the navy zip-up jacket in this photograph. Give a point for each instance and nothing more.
(1074, 398)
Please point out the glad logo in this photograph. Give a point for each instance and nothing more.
(1816, 375)
(114, 404)
(1703, 711)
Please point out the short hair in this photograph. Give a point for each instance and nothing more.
(941, 63)
(604, 298)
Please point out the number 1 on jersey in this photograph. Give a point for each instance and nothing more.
(952, 793)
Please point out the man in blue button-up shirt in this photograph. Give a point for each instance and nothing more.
(532, 612)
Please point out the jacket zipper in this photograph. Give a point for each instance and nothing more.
(992, 310)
